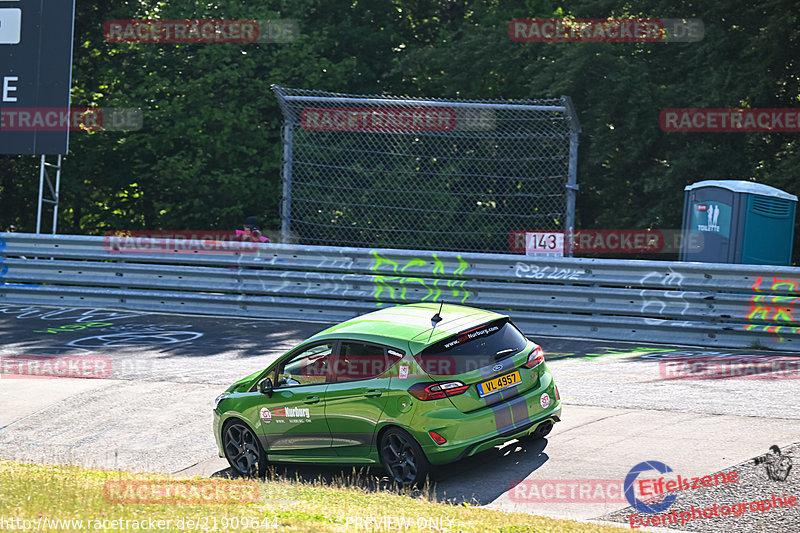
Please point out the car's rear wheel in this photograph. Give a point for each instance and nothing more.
(243, 451)
(403, 459)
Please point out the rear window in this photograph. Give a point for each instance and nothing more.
(473, 348)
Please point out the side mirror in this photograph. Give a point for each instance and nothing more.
(265, 387)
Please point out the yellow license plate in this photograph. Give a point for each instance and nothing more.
(498, 384)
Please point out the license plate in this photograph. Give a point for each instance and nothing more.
(498, 384)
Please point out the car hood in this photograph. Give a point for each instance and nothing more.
(244, 384)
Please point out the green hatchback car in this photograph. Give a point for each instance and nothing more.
(406, 387)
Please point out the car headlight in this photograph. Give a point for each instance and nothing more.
(220, 398)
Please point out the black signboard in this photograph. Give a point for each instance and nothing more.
(35, 75)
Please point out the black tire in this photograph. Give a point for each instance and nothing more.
(403, 458)
(243, 451)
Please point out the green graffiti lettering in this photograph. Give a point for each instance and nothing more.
(413, 262)
(380, 260)
(782, 314)
(465, 291)
(438, 290)
(462, 266)
(380, 283)
(759, 310)
(777, 283)
(439, 266)
(397, 287)
(413, 280)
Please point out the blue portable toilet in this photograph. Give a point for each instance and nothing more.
(736, 221)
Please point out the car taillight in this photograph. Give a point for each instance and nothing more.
(535, 357)
(437, 390)
(558, 396)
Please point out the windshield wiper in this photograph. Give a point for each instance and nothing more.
(501, 353)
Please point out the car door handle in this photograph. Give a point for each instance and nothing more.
(311, 399)
(373, 393)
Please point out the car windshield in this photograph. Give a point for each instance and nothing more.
(473, 348)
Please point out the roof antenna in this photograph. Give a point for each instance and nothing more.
(436, 319)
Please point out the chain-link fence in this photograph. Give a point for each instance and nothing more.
(393, 172)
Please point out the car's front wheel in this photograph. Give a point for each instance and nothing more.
(403, 459)
(243, 451)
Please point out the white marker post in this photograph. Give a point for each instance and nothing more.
(544, 243)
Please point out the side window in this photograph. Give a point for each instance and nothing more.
(311, 366)
(359, 360)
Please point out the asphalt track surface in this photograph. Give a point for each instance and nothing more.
(153, 411)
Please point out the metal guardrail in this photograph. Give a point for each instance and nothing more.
(645, 301)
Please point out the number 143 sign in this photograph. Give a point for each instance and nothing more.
(551, 243)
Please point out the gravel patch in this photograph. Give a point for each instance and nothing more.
(753, 485)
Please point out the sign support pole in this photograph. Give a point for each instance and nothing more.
(54, 191)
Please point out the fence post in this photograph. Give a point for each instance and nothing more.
(572, 173)
(286, 177)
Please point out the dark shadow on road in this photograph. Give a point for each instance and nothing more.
(478, 480)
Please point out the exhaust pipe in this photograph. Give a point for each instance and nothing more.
(542, 429)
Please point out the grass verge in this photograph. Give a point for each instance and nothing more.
(68, 498)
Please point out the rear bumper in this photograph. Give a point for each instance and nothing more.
(471, 433)
(515, 434)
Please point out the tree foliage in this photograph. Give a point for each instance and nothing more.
(210, 152)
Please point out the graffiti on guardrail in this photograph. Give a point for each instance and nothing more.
(310, 283)
(773, 308)
(533, 271)
(657, 303)
(397, 286)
